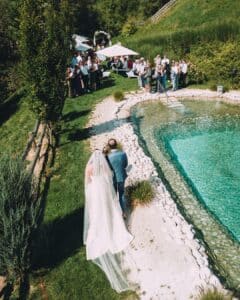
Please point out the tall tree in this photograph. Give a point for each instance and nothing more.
(44, 46)
(111, 17)
(110, 14)
(84, 17)
(8, 47)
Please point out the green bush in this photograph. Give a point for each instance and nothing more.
(213, 295)
(19, 215)
(195, 75)
(226, 88)
(218, 61)
(213, 87)
(130, 27)
(118, 95)
(141, 191)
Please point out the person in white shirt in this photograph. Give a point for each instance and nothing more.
(79, 57)
(183, 73)
(157, 60)
(136, 70)
(165, 61)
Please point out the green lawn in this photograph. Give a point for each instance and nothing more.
(16, 121)
(61, 269)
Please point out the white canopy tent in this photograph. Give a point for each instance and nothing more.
(116, 50)
(80, 38)
(80, 42)
(82, 47)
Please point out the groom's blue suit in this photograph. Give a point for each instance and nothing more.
(118, 162)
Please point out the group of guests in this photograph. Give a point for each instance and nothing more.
(152, 76)
(84, 74)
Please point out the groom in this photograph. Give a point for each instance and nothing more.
(118, 162)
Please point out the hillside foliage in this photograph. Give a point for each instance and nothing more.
(206, 33)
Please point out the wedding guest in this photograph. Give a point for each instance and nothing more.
(85, 76)
(165, 61)
(69, 75)
(164, 76)
(147, 77)
(160, 74)
(141, 72)
(175, 76)
(157, 60)
(183, 73)
(77, 83)
(74, 61)
(79, 57)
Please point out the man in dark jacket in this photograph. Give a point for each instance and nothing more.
(118, 162)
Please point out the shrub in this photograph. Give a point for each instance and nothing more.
(141, 191)
(19, 215)
(213, 295)
(226, 88)
(218, 61)
(195, 75)
(118, 95)
(213, 87)
(130, 27)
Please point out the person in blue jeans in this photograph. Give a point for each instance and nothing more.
(118, 162)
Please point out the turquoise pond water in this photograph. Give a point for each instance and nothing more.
(211, 162)
(196, 151)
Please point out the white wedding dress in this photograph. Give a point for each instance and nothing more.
(105, 233)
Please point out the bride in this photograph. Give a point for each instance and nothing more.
(105, 233)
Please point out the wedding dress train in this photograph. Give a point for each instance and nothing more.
(105, 234)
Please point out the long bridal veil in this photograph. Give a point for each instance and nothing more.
(105, 235)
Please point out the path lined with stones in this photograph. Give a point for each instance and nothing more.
(170, 263)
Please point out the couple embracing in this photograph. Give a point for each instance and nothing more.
(105, 235)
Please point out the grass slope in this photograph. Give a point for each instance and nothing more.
(204, 32)
(61, 269)
(186, 16)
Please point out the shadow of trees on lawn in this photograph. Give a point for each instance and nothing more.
(58, 240)
(81, 134)
(72, 115)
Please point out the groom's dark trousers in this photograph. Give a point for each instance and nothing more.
(118, 162)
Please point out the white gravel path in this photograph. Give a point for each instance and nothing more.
(171, 264)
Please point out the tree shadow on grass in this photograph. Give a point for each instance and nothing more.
(10, 106)
(107, 82)
(58, 240)
(85, 133)
(75, 115)
(7, 110)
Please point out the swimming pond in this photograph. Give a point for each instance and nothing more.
(196, 150)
